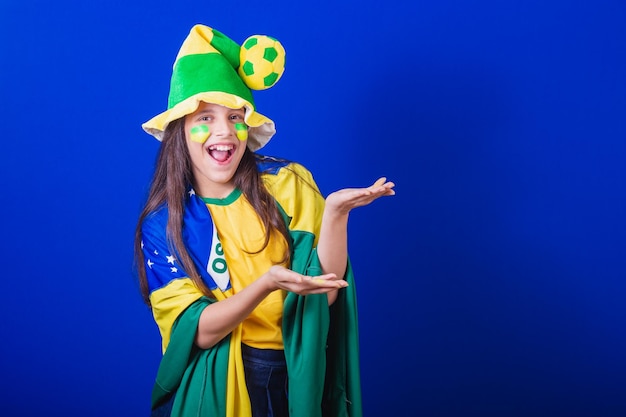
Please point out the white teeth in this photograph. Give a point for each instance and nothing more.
(221, 148)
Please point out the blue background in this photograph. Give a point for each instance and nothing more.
(493, 284)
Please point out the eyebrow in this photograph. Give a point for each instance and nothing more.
(211, 111)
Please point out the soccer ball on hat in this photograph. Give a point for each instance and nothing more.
(262, 61)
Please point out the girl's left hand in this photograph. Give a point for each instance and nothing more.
(344, 200)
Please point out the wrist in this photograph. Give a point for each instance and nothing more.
(267, 282)
(335, 214)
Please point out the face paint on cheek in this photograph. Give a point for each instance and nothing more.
(200, 133)
(242, 131)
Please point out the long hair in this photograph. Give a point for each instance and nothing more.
(172, 178)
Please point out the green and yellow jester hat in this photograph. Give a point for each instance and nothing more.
(212, 68)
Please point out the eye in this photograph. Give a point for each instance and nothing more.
(204, 118)
(236, 117)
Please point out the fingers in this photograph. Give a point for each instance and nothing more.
(328, 281)
(289, 280)
(382, 186)
(379, 182)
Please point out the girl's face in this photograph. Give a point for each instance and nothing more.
(215, 159)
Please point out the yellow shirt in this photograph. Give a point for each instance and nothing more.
(171, 291)
(241, 234)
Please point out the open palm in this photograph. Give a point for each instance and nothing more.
(346, 199)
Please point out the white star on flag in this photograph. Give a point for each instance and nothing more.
(150, 263)
(170, 259)
(174, 269)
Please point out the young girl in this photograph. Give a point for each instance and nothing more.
(241, 259)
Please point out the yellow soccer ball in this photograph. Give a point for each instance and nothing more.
(262, 62)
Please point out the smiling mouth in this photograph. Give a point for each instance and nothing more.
(221, 153)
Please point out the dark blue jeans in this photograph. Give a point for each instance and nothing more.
(266, 380)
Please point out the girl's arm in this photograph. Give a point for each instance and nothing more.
(219, 319)
(332, 247)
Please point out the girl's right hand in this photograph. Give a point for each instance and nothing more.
(279, 277)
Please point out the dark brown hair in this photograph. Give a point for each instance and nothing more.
(171, 180)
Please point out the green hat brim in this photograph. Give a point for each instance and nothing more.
(261, 128)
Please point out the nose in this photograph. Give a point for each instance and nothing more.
(221, 127)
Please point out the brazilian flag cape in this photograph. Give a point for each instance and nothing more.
(320, 343)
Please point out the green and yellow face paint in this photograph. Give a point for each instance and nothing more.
(199, 133)
(242, 131)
